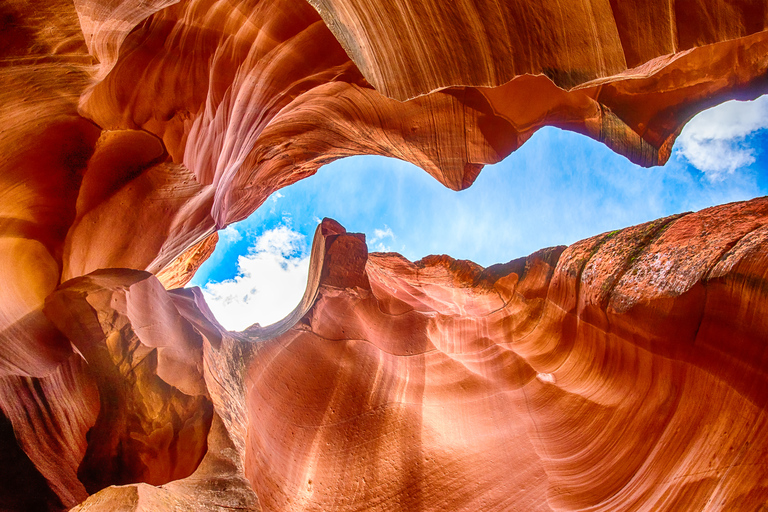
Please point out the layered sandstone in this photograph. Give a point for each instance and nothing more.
(567, 380)
(625, 372)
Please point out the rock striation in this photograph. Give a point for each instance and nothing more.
(418, 386)
(624, 372)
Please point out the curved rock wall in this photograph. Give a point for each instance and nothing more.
(567, 380)
(570, 42)
(625, 372)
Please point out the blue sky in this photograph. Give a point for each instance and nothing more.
(558, 188)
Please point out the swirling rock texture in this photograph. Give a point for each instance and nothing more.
(626, 372)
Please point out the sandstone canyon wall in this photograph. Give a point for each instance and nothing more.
(626, 372)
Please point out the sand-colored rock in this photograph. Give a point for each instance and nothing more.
(440, 377)
(217, 485)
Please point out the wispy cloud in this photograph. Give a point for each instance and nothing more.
(272, 201)
(376, 242)
(269, 283)
(715, 140)
(230, 234)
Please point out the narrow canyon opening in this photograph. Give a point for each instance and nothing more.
(559, 187)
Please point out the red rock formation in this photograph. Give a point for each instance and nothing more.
(253, 96)
(147, 362)
(181, 270)
(132, 131)
(593, 377)
(571, 43)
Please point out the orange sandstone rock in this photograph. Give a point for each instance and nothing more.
(146, 360)
(202, 109)
(626, 372)
(181, 270)
(490, 42)
(547, 383)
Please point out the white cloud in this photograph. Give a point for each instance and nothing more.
(273, 201)
(376, 242)
(714, 141)
(269, 284)
(230, 234)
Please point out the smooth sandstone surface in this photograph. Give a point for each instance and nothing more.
(626, 372)
(546, 383)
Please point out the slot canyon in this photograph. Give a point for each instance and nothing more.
(625, 372)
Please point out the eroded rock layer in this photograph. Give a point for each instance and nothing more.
(164, 121)
(624, 372)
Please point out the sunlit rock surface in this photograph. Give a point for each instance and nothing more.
(625, 373)
(567, 380)
(181, 270)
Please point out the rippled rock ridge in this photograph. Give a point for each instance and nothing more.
(628, 371)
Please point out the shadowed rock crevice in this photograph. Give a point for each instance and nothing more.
(146, 360)
(24, 487)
